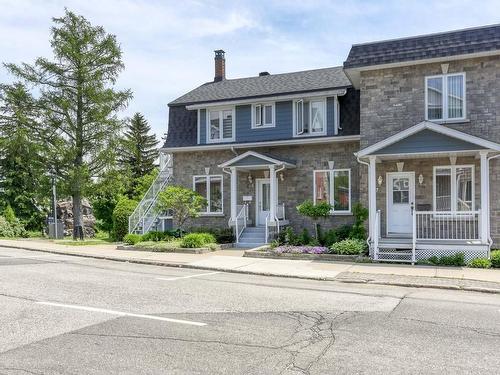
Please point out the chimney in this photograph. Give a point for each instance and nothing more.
(220, 66)
(262, 74)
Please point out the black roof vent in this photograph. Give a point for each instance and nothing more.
(262, 74)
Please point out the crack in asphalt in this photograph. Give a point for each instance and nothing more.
(21, 369)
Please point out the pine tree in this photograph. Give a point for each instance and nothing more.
(139, 150)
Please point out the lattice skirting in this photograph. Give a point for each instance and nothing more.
(392, 255)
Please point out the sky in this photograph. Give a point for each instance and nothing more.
(168, 45)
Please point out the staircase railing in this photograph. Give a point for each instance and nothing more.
(240, 222)
(146, 213)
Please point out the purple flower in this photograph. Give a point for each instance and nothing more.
(300, 249)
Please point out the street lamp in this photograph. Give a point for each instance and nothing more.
(53, 176)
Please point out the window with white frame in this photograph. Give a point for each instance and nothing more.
(333, 186)
(220, 124)
(309, 117)
(445, 97)
(210, 188)
(454, 188)
(263, 115)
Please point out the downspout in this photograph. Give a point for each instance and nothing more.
(367, 165)
(234, 151)
(227, 171)
(490, 240)
(275, 215)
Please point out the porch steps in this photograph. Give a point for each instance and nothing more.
(252, 237)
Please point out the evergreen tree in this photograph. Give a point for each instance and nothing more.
(78, 103)
(139, 150)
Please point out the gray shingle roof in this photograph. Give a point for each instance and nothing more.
(274, 84)
(452, 43)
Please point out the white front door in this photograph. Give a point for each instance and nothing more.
(400, 197)
(262, 200)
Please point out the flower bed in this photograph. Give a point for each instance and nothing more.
(303, 253)
(300, 250)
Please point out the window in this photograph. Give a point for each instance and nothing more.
(333, 186)
(210, 188)
(263, 115)
(454, 188)
(445, 97)
(309, 117)
(220, 125)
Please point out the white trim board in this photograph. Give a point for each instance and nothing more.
(257, 155)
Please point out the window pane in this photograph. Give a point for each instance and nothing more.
(215, 194)
(317, 117)
(299, 116)
(306, 118)
(227, 124)
(435, 98)
(401, 190)
(464, 189)
(200, 186)
(322, 181)
(341, 190)
(258, 114)
(455, 96)
(266, 196)
(268, 114)
(214, 125)
(443, 189)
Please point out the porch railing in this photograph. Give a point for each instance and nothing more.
(241, 221)
(447, 225)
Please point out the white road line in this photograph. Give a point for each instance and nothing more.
(121, 313)
(186, 277)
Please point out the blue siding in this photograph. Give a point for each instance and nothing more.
(203, 126)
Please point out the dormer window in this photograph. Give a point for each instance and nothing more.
(309, 117)
(263, 115)
(220, 125)
(445, 97)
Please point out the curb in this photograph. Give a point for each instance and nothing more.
(219, 269)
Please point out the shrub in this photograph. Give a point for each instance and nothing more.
(300, 250)
(329, 238)
(222, 235)
(183, 203)
(360, 215)
(196, 240)
(343, 232)
(480, 263)
(315, 212)
(157, 236)
(457, 259)
(9, 214)
(12, 229)
(121, 213)
(132, 238)
(5, 228)
(495, 258)
(349, 247)
(305, 237)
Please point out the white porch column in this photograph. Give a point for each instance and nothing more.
(273, 192)
(485, 197)
(234, 193)
(372, 195)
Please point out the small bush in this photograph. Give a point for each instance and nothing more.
(132, 238)
(329, 238)
(121, 213)
(495, 258)
(360, 215)
(197, 240)
(349, 247)
(305, 237)
(222, 235)
(157, 236)
(457, 260)
(343, 232)
(13, 229)
(480, 263)
(9, 214)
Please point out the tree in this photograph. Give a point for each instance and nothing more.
(183, 203)
(124, 208)
(22, 157)
(139, 152)
(315, 212)
(78, 102)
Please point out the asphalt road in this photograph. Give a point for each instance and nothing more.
(70, 315)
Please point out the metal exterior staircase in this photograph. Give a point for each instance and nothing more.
(147, 212)
(252, 237)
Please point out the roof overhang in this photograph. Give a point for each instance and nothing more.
(472, 144)
(255, 160)
(298, 95)
(354, 73)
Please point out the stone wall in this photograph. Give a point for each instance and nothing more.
(297, 184)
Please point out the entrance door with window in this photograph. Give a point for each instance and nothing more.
(262, 200)
(400, 197)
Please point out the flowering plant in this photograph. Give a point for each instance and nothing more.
(301, 249)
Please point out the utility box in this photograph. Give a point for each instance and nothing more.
(51, 228)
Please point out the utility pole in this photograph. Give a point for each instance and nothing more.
(54, 200)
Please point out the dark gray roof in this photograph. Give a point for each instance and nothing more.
(261, 86)
(452, 43)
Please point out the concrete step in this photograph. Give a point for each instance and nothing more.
(254, 230)
(249, 245)
(252, 235)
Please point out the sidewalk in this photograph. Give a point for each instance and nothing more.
(460, 278)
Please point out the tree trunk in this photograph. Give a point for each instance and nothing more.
(77, 217)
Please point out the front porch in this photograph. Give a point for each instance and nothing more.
(254, 197)
(428, 193)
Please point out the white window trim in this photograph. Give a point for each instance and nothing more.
(221, 131)
(262, 124)
(454, 185)
(207, 212)
(332, 189)
(445, 98)
(309, 100)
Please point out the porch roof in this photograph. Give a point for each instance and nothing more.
(428, 138)
(255, 160)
